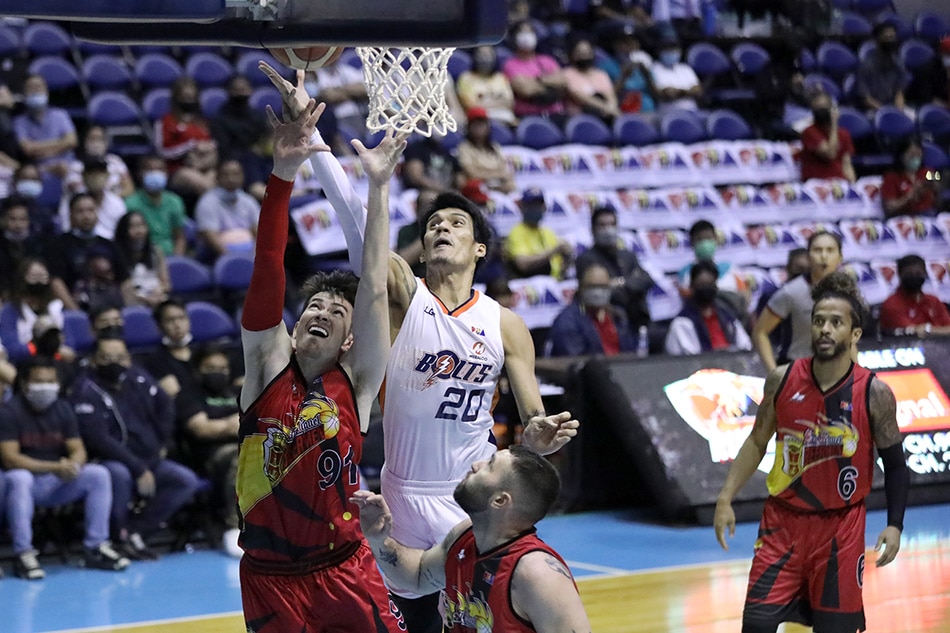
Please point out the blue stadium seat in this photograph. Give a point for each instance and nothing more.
(682, 126)
(933, 123)
(189, 277)
(232, 271)
(587, 129)
(749, 58)
(934, 156)
(538, 133)
(459, 62)
(156, 103)
(707, 60)
(915, 54)
(835, 59)
(728, 126)
(139, 329)
(11, 44)
(246, 65)
(157, 70)
(209, 322)
(806, 60)
(88, 49)
(857, 124)
(58, 73)
(46, 38)
(208, 69)
(78, 331)
(930, 26)
(892, 126)
(106, 72)
(849, 89)
(140, 50)
(501, 133)
(854, 25)
(111, 109)
(268, 95)
(873, 8)
(635, 129)
(211, 100)
(865, 49)
(818, 82)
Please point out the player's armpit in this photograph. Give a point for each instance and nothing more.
(401, 283)
(882, 410)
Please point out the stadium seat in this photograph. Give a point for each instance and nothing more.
(635, 129)
(818, 82)
(140, 50)
(157, 70)
(123, 121)
(857, 124)
(459, 62)
(156, 103)
(78, 331)
(892, 126)
(933, 123)
(854, 26)
(849, 89)
(728, 126)
(208, 69)
(868, 156)
(915, 54)
(872, 8)
(209, 322)
(682, 126)
(106, 72)
(268, 95)
(58, 73)
(232, 271)
(501, 133)
(211, 100)
(587, 129)
(189, 277)
(865, 49)
(749, 58)
(934, 156)
(835, 59)
(930, 26)
(52, 192)
(806, 60)
(88, 49)
(10, 43)
(538, 133)
(139, 329)
(46, 38)
(903, 28)
(246, 65)
(707, 60)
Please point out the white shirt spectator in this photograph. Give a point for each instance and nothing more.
(682, 77)
(230, 215)
(111, 209)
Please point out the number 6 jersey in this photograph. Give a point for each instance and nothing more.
(440, 387)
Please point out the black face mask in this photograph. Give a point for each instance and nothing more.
(887, 46)
(47, 344)
(240, 101)
(913, 283)
(584, 63)
(37, 289)
(110, 372)
(188, 107)
(216, 381)
(704, 295)
(822, 116)
(109, 332)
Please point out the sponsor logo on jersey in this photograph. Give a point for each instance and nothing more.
(316, 413)
(477, 329)
(446, 364)
(798, 396)
(469, 611)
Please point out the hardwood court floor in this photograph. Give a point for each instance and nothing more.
(633, 576)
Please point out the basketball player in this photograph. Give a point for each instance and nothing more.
(450, 343)
(306, 400)
(493, 571)
(828, 414)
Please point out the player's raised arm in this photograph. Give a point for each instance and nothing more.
(366, 360)
(267, 345)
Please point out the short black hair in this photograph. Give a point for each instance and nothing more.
(13, 202)
(455, 200)
(96, 310)
(159, 311)
(40, 361)
(206, 351)
(599, 210)
(841, 285)
(699, 226)
(342, 283)
(907, 261)
(537, 479)
(904, 145)
(703, 266)
(822, 233)
(76, 197)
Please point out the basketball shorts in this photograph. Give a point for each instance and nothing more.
(808, 568)
(424, 512)
(347, 597)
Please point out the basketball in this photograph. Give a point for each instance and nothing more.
(307, 58)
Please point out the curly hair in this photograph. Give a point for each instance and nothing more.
(342, 283)
(842, 285)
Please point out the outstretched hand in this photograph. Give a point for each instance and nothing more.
(295, 98)
(376, 520)
(379, 162)
(292, 145)
(546, 434)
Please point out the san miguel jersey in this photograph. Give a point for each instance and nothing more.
(297, 468)
(477, 593)
(440, 386)
(824, 453)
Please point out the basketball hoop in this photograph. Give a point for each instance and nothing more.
(406, 88)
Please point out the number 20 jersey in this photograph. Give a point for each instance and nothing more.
(440, 387)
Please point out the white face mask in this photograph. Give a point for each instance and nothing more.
(526, 40)
(41, 395)
(184, 342)
(595, 297)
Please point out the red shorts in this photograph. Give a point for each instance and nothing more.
(808, 568)
(349, 596)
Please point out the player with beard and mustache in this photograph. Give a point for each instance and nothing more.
(828, 415)
(493, 571)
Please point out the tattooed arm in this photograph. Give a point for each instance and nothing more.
(543, 592)
(406, 568)
(882, 413)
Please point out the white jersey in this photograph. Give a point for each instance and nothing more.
(440, 387)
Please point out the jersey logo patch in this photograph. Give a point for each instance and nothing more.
(798, 396)
(446, 364)
(469, 611)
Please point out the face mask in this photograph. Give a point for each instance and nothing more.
(41, 395)
(216, 381)
(154, 180)
(887, 46)
(822, 116)
(109, 332)
(29, 188)
(138, 243)
(37, 289)
(670, 58)
(526, 41)
(584, 63)
(85, 235)
(606, 237)
(912, 164)
(484, 65)
(184, 342)
(188, 107)
(913, 283)
(532, 215)
(48, 343)
(36, 100)
(229, 197)
(16, 236)
(96, 148)
(241, 100)
(705, 249)
(595, 297)
(704, 295)
(111, 372)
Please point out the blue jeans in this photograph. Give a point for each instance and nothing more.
(26, 490)
(175, 485)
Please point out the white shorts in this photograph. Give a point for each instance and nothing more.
(423, 511)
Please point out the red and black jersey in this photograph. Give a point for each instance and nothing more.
(477, 594)
(824, 452)
(300, 447)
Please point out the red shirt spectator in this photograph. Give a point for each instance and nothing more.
(815, 165)
(906, 189)
(909, 310)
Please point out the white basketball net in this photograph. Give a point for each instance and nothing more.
(406, 88)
